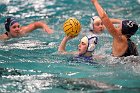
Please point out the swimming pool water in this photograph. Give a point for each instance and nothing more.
(32, 64)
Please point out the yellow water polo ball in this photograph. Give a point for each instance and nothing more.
(72, 27)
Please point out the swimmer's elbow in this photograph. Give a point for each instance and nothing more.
(38, 24)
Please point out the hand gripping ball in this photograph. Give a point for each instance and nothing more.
(72, 27)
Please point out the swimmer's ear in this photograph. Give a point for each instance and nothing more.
(91, 47)
(95, 40)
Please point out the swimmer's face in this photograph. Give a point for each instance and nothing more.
(15, 29)
(98, 26)
(82, 47)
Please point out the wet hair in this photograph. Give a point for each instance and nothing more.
(129, 27)
(9, 22)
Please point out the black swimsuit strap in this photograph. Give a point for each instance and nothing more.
(131, 50)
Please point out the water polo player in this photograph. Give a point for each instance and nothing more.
(13, 28)
(85, 48)
(96, 25)
(122, 45)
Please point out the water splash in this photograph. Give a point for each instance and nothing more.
(139, 1)
(4, 1)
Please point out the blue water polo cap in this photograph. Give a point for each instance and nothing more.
(9, 22)
(129, 27)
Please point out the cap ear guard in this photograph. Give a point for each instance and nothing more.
(92, 41)
(91, 26)
(7, 27)
(92, 22)
(91, 47)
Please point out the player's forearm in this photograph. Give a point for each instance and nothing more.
(39, 24)
(62, 45)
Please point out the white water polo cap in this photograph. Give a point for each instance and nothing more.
(91, 41)
(92, 21)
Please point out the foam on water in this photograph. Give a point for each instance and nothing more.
(4, 1)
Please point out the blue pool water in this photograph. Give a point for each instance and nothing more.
(32, 64)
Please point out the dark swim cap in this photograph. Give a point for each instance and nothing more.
(129, 27)
(9, 22)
